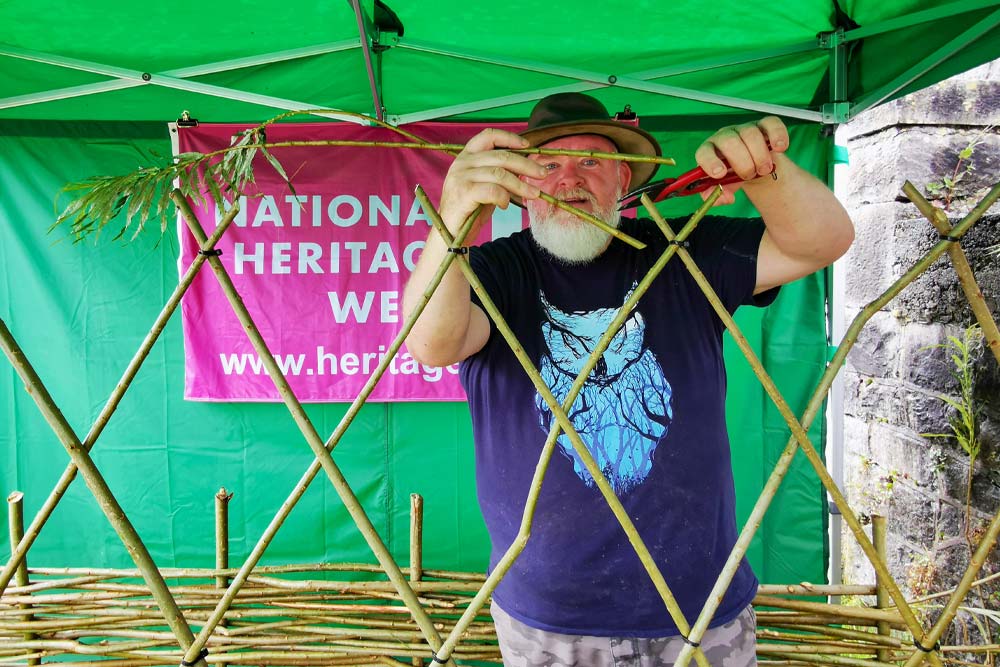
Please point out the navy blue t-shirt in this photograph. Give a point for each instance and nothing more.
(652, 413)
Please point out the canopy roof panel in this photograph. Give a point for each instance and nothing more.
(670, 61)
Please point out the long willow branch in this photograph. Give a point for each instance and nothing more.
(99, 488)
(315, 443)
(69, 474)
(563, 423)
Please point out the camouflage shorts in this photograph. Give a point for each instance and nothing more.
(729, 645)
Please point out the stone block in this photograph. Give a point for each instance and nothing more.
(921, 360)
(904, 454)
(970, 98)
(875, 347)
(911, 515)
(856, 436)
(882, 162)
(871, 265)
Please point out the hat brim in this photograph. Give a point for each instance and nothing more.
(627, 139)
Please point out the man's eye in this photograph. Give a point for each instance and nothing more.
(590, 162)
(550, 166)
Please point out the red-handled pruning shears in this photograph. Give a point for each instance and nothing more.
(688, 183)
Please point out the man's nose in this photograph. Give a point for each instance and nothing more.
(569, 176)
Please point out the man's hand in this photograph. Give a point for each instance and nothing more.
(485, 174)
(746, 149)
(807, 228)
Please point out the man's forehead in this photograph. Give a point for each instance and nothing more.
(595, 141)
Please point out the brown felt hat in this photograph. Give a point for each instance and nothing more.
(567, 114)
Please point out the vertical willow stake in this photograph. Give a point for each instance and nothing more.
(561, 421)
(69, 474)
(222, 499)
(416, 537)
(15, 521)
(99, 488)
(308, 430)
(881, 594)
(416, 546)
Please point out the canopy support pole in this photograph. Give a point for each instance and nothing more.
(369, 35)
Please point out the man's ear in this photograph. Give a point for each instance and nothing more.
(625, 173)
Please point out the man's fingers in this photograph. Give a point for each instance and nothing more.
(504, 179)
(727, 146)
(745, 148)
(511, 162)
(756, 145)
(491, 138)
(776, 132)
(709, 160)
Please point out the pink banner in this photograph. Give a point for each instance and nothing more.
(321, 271)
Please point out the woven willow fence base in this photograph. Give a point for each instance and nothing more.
(272, 616)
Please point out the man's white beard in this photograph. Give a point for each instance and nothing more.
(567, 237)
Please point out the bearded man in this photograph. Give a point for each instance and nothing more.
(652, 412)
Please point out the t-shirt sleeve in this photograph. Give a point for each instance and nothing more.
(725, 250)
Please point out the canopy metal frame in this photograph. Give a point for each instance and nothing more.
(372, 45)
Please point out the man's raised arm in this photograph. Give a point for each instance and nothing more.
(451, 327)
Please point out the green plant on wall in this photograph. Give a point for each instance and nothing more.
(964, 418)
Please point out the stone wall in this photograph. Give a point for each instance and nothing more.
(895, 375)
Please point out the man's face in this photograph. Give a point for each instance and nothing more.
(591, 184)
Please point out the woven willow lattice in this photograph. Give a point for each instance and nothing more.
(176, 611)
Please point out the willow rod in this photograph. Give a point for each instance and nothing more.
(332, 441)
(69, 474)
(843, 611)
(561, 421)
(816, 589)
(209, 573)
(449, 148)
(99, 488)
(416, 546)
(844, 633)
(815, 402)
(222, 498)
(315, 443)
(879, 534)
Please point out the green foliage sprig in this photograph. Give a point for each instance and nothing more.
(145, 193)
(964, 166)
(964, 419)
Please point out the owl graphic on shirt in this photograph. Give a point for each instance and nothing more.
(623, 410)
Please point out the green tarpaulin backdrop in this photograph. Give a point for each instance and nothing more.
(86, 89)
